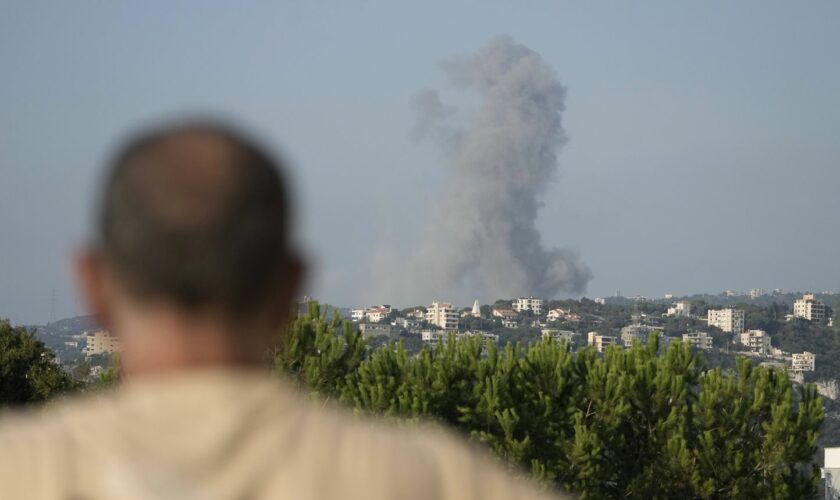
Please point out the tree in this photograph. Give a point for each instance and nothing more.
(313, 353)
(28, 371)
(627, 424)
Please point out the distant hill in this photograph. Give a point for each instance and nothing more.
(62, 336)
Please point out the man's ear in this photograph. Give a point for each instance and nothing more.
(91, 280)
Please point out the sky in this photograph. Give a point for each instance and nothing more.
(702, 153)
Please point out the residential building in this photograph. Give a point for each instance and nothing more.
(555, 314)
(528, 304)
(434, 337)
(416, 313)
(505, 313)
(601, 301)
(728, 320)
(698, 340)
(831, 473)
(378, 330)
(510, 322)
(567, 336)
(101, 342)
(808, 307)
(443, 315)
(373, 314)
(636, 333)
(757, 292)
(406, 323)
(756, 341)
(803, 362)
(600, 342)
(681, 309)
(377, 314)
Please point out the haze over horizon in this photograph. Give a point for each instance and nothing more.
(702, 151)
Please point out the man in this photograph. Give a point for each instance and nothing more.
(193, 268)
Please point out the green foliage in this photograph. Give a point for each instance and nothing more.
(110, 376)
(28, 371)
(628, 424)
(315, 355)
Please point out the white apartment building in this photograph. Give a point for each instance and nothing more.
(757, 292)
(803, 362)
(756, 341)
(681, 309)
(600, 342)
(808, 307)
(728, 320)
(699, 340)
(357, 314)
(443, 315)
(101, 342)
(831, 473)
(566, 336)
(528, 304)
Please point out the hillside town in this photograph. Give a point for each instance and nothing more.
(722, 329)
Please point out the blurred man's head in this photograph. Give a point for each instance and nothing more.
(194, 228)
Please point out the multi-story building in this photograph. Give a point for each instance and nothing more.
(636, 332)
(528, 304)
(808, 307)
(600, 342)
(101, 342)
(803, 362)
(566, 336)
(757, 292)
(728, 320)
(681, 309)
(831, 473)
(756, 341)
(357, 314)
(699, 340)
(378, 330)
(443, 315)
(434, 337)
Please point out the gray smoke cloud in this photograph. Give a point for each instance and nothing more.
(482, 240)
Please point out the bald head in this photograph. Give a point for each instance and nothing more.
(198, 215)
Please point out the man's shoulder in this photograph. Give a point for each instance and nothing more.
(421, 460)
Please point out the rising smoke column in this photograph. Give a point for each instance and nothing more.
(482, 239)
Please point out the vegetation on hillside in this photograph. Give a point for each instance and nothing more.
(629, 424)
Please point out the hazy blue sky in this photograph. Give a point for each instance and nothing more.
(703, 150)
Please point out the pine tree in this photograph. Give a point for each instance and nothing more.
(632, 423)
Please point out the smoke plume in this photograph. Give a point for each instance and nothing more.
(482, 240)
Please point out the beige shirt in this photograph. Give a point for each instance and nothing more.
(232, 435)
